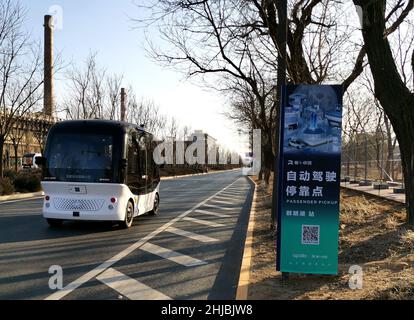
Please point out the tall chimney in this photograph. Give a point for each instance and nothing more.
(123, 101)
(48, 99)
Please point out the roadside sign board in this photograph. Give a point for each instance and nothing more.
(309, 179)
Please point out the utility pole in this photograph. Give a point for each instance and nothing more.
(281, 80)
(123, 104)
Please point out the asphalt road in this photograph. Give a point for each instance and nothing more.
(191, 250)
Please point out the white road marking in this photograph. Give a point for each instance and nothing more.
(128, 287)
(231, 196)
(172, 255)
(105, 265)
(191, 235)
(219, 207)
(204, 222)
(238, 190)
(234, 194)
(223, 202)
(211, 213)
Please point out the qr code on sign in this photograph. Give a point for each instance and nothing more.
(310, 234)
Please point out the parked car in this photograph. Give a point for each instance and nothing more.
(29, 160)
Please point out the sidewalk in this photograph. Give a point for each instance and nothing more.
(385, 193)
(21, 196)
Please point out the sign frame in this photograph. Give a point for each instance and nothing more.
(316, 224)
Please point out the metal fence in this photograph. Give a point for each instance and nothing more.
(364, 161)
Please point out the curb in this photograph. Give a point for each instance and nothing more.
(244, 278)
(374, 194)
(21, 196)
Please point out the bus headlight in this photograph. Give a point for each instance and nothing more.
(110, 207)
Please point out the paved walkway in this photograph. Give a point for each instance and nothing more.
(386, 193)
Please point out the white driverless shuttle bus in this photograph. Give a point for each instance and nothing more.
(99, 170)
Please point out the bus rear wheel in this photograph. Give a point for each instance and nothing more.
(155, 208)
(129, 216)
(54, 222)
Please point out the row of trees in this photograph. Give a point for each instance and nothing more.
(21, 71)
(328, 41)
(93, 93)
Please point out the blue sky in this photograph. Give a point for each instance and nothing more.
(105, 27)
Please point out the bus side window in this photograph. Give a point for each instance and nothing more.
(133, 178)
(150, 165)
(143, 157)
(132, 157)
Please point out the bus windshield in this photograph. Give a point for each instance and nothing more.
(80, 157)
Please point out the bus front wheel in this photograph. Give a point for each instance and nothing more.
(129, 216)
(54, 222)
(154, 210)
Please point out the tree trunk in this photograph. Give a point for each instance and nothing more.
(16, 149)
(396, 99)
(2, 139)
(268, 155)
(407, 158)
(356, 159)
(260, 177)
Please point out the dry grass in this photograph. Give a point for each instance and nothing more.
(373, 234)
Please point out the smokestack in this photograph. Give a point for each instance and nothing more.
(123, 107)
(48, 99)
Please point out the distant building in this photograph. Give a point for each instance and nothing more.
(28, 135)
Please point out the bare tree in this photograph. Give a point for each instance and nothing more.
(145, 113)
(379, 20)
(16, 135)
(113, 88)
(20, 70)
(86, 90)
(241, 45)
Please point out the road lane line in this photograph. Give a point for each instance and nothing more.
(237, 198)
(219, 207)
(234, 194)
(174, 256)
(211, 213)
(242, 187)
(239, 189)
(204, 222)
(223, 202)
(190, 235)
(128, 287)
(105, 265)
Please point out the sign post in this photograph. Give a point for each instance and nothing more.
(309, 179)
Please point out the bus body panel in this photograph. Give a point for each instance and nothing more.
(146, 201)
(92, 202)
